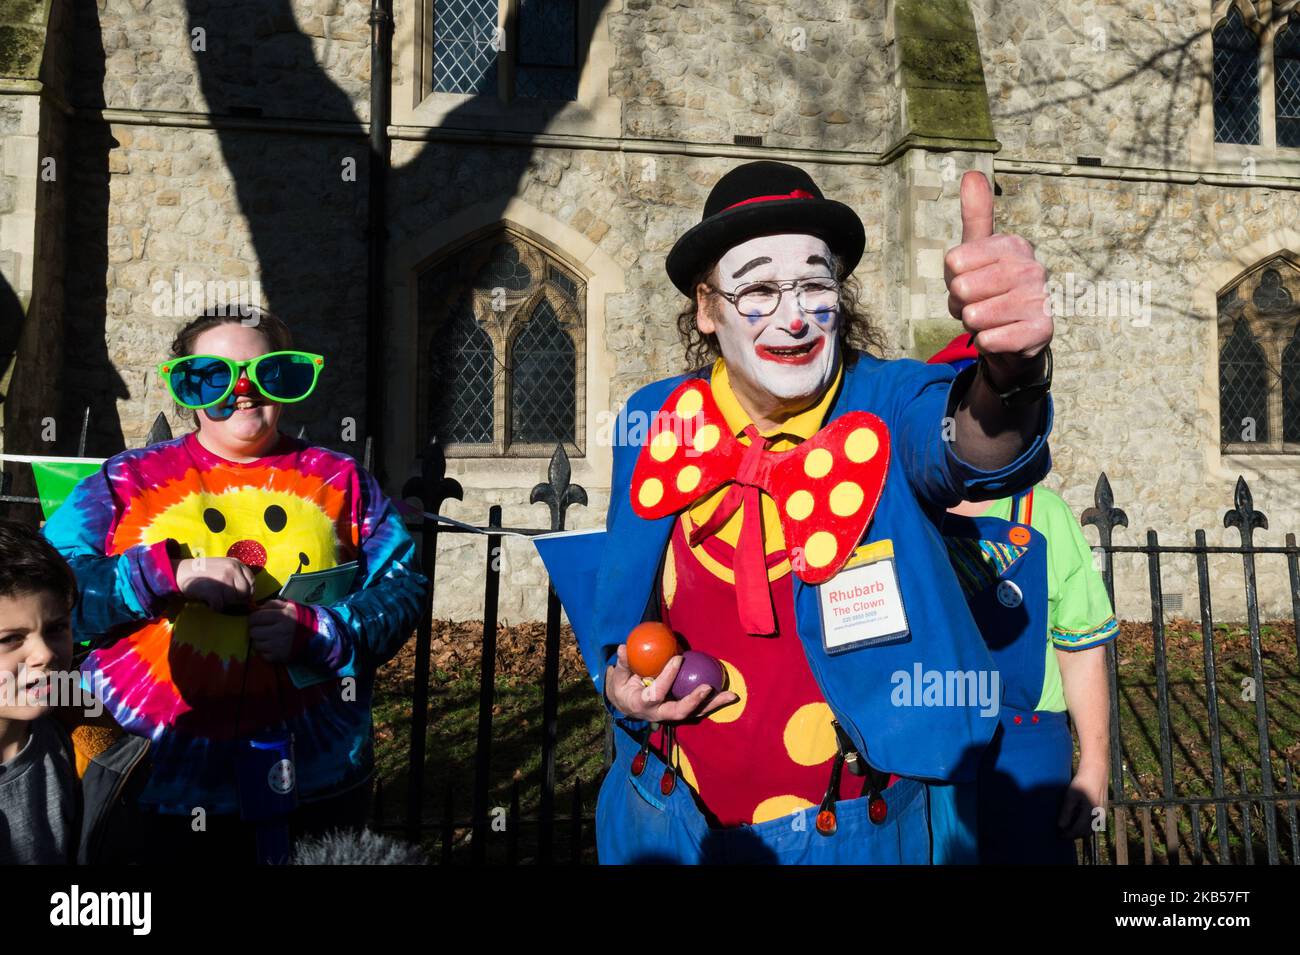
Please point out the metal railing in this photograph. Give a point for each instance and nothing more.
(1236, 807)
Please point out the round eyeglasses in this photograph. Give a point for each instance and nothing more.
(760, 299)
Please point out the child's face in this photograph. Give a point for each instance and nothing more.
(255, 417)
(35, 644)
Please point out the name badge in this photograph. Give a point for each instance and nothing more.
(862, 605)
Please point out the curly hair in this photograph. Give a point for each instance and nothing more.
(855, 330)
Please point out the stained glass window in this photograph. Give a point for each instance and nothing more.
(462, 399)
(548, 50)
(1236, 82)
(464, 53)
(1291, 390)
(1286, 70)
(542, 374)
(1243, 388)
(502, 329)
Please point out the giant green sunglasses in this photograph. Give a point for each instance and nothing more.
(201, 381)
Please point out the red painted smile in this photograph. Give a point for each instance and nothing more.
(802, 354)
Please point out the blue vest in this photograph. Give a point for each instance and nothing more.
(869, 689)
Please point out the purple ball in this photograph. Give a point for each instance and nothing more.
(697, 668)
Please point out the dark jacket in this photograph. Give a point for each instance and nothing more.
(112, 767)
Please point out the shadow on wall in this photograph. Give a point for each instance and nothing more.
(90, 377)
(305, 224)
(308, 228)
(11, 327)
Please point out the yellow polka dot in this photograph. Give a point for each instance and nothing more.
(818, 463)
(809, 737)
(670, 578)
(663, 446)
(688, 479)
(799, 505)
(687, 770)
(736, 684)
(846, 498)
(777, 806)
(689, 404)
(820, 549)
(651, 493)
(706, 439)
(861, 445)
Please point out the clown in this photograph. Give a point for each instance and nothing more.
(780, 516)
(181, 550)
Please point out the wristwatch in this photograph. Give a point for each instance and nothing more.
(1021, 395)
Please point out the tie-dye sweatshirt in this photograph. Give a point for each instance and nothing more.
(181, 674)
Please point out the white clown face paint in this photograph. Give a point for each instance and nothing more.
(784, 361)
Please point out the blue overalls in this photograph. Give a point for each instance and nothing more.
(637, 824)
(1009, 816)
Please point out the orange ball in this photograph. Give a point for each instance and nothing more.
(650, 646)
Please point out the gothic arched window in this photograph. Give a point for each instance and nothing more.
(1259, 359)
(1236, 81)
(1286, 69)
(503, 341)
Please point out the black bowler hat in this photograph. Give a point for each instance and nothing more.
(763, 198)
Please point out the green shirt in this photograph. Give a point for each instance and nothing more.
(1079, 614)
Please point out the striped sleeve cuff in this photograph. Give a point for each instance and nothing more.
(1103, 633)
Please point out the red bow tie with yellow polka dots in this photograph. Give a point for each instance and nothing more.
(825, 490)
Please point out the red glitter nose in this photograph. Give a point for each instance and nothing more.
(248, 552)
(243, 386)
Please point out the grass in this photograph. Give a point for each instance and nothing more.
(516, 758)
(515, 767)
(1191, 760)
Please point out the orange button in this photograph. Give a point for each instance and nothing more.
(1018, 535)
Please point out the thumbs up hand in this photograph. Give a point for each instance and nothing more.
(997, 289)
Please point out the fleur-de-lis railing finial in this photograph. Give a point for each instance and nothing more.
(1243, 516)
(558, 494)
(159, 432)
(432, 486)
(1104, 515)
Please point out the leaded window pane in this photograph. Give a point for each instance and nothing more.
(543, 379)
(548, 50)
(1291, 390)
(464, 60)
(462, 392)
(1236, 82)
(1243, 387)
(1286, 66)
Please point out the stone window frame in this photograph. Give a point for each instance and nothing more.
(502, 328)
(594, 113)
(1272, 332)
(1265, 18)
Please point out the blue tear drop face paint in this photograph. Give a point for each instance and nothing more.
(222, 411)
